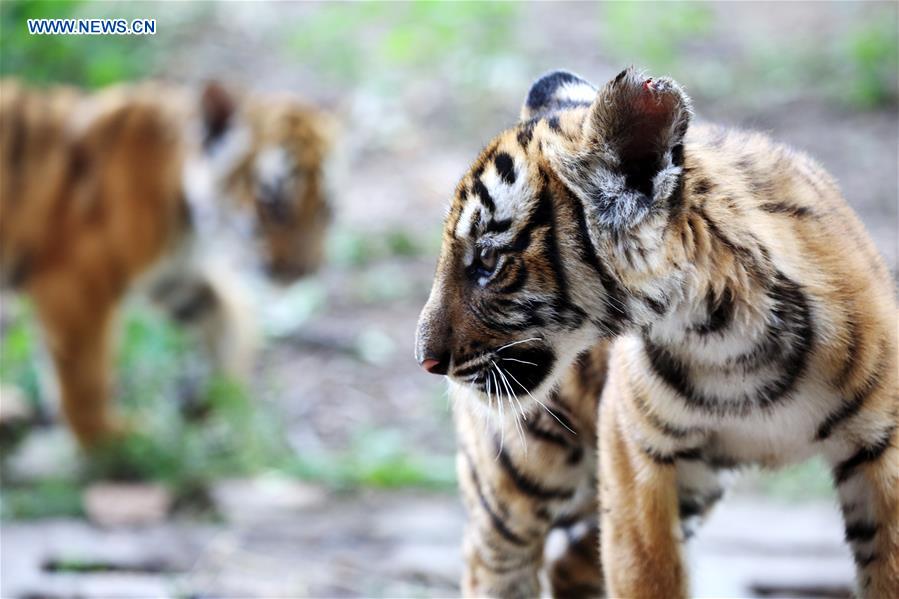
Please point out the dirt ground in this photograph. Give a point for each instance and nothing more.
(286, 540)
(401, 155)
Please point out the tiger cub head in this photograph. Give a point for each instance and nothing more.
(270, 154)
(527, 279)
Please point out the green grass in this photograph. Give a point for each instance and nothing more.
(855, 68)
(91, 61)
(354, 248)
(192, 428)
(44, 499)
(801, 482)
(859, 69)
(18, 351)
(377, 458)
(376, 42)
(867, 61)
(652, 35)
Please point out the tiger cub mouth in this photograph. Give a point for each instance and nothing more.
(512, 371)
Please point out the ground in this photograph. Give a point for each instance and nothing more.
(281, 539)
(338, 371)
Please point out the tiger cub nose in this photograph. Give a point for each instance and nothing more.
(435, 366)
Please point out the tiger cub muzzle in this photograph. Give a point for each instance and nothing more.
(489, 365)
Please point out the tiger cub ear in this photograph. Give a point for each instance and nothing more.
(627, 160)
(217, 106)
(555, 91)
(638, 124)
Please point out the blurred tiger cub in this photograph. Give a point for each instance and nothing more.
(133, 187)
(753, 322)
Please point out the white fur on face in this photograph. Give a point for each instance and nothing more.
(272, 165)
(273, 169)
(466, 219)
(204, 176)
(510, 201)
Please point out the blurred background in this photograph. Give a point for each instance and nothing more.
(331, 473)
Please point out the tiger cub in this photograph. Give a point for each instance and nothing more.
(752, 322)
(132, 188)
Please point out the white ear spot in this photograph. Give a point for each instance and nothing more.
(576, 93)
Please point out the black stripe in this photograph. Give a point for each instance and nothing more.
(505, 167)
(547, 436)
(853, 353)
(480, 189)
(565, 311)
(526, 133)
(615, 302)
(743, 255)
(702, 186)
(792, 312)
(543, 90)
(871, 453)
(784, 208)
(863, 561)
(691, 506)
(567, 520)
(528, 486)
(497, 226)
(511, 277)
(720, 462)
(575, 455)
(561, 419)
(18, 271)
(676, 201)
(198, 303)
(677, 154)
(467, 370)
(662, 426)
(659, 307)
(658, 457)
(554, 124)
(476, 220)
(720, 312)
(852, 406)
(497, 522)
(692, 454)
(860, 532)
(668, 458)
(584, 547)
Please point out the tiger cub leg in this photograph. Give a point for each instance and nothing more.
(577, 573)
(514, 490)
(639, 514)
(212, 311)
(76, 323)
(699, 488)
(867, 480)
